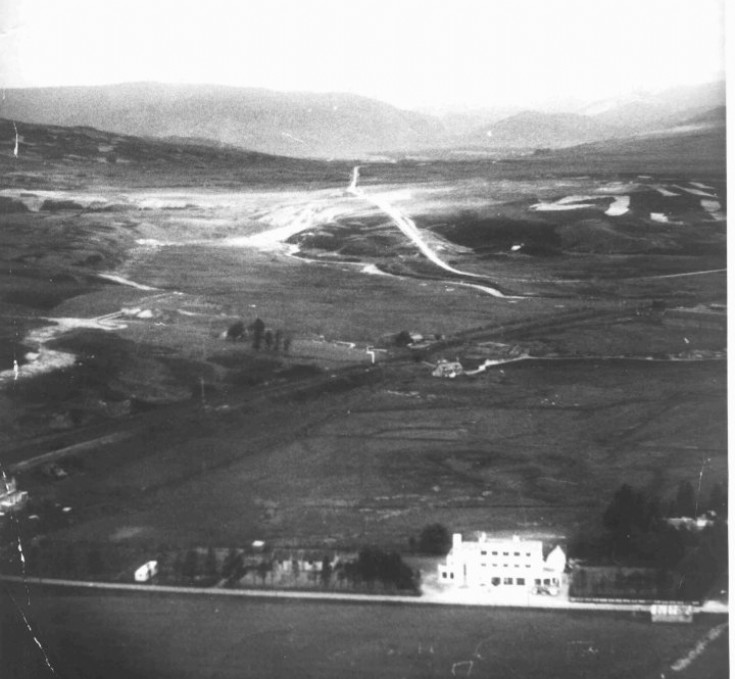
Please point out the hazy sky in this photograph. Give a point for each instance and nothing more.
(408, 52)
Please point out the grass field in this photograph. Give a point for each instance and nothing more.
(130, 636)
(540, 450)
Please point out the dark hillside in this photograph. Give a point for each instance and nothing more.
(284, 123)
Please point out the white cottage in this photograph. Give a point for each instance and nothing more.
(502, 563)
(450, 369)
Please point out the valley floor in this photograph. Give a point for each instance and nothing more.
(116, 304)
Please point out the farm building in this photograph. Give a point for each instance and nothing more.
(302, 561)
(505, 563)
(11, 499)
(448, 369)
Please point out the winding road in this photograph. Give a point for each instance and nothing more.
(409, 228)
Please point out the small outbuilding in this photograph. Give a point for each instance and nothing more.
(12, 499)
(450, 369)
(147, 571)
(672, 612)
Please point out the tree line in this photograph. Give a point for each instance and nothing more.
(638, 532)
(260, 336)
(370, 570)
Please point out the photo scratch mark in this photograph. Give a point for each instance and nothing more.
(19, 541)
(33, 634)
(22, 558)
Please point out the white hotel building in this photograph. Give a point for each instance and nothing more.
(502, 563)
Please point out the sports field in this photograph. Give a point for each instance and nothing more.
(135, 636)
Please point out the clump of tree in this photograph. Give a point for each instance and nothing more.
(195, 566)
(629, 518)
(388, 568)
(434, 539)
(375, 567)
(260, 336)
(637, 534)
(403, 339)
(685, 503)
(236, 331)
(703, 564)
(233, 567)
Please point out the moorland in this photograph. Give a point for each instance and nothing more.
(127, 260)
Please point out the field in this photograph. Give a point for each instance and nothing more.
(540, 451)
(129, 636)
(120, 281)
(534, 446)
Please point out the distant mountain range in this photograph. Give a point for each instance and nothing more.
(646, 111)
(534, 129)
(283, 123)
(345, 125)
(610, 119)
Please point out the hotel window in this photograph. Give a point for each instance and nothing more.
(444, 575)
(483, 565)
(505, 553)
(483, 553)
(516, 553)
(537, 581)
(528, 553)
(520, 581)
(495, 553)
(495, 581)
(528, 565)
(507, 581)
